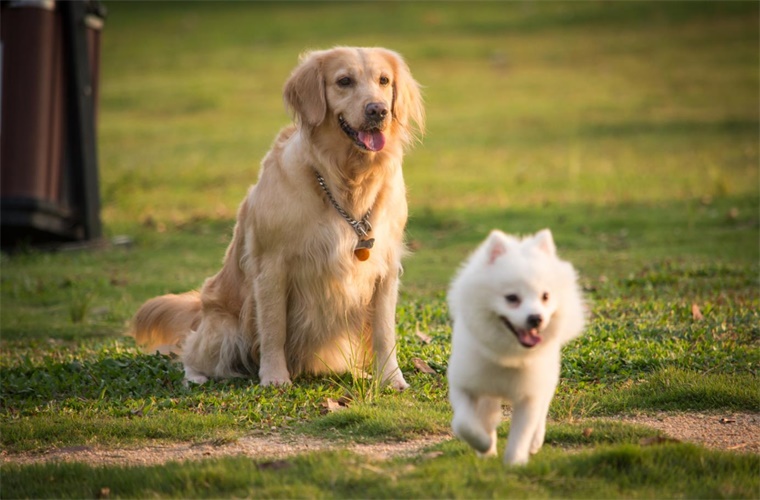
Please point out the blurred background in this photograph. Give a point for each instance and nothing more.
(539, 113)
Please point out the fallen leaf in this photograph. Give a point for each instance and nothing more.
(652, 441)
(274, 465)
(725, 420)
(104, 493)
(424, 338)
(737, 446)
(345, 400)
(138, 412)
(587, 432)
(696, 314)
(331, 405)
(423, 367)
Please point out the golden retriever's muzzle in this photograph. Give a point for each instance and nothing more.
(370, 136)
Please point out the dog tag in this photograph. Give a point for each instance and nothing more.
(362, 249)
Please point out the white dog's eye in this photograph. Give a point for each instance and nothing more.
(384, 81)
(513, 299)
(545, 296)
(345, 81)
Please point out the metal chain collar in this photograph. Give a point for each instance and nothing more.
(362, 227)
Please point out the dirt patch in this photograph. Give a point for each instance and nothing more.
(739, 432)
(269, 447)
(734, 431)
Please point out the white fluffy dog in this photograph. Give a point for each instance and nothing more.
(514, 304)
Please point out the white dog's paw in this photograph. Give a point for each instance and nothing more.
(536, 445)
(491, 452)
(480, 440)
(515, 458)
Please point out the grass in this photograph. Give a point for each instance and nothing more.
(629, 129)
(621, 470)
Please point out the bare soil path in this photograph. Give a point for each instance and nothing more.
(738, 432)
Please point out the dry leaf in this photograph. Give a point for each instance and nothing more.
(104, 492)
(696, 314)
(738, 446)
(587, 432)
(426, 339)
(423, 367)
(330, 405)
(274, 465)
(345, 400)
(138, 412)
(651, 441)
(725, 420)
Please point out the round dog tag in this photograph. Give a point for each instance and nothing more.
(362, 249)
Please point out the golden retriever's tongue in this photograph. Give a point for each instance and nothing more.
(374, 140)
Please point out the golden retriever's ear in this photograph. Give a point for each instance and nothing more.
(407, 105)
(304, 92)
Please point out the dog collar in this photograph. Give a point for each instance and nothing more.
(362, 227)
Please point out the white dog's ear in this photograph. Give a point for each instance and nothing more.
(496, 246)
(304, 92)
(545, 242)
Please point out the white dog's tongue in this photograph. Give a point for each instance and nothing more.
(529, 338)
(374, 141)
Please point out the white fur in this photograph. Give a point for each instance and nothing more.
(488, 364)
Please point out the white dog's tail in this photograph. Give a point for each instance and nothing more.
(162, 323)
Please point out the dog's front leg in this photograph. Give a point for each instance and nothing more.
(271, 314)
(384, 332)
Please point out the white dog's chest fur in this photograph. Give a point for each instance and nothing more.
(536, 373)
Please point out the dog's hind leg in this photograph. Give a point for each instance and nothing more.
(217, 349)
(489, 412)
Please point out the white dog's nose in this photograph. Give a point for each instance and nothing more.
(534, 320)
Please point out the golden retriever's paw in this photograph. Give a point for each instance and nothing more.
(193, 377)
(276, 381)
(397, 382)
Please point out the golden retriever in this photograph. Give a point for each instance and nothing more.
(310, 280)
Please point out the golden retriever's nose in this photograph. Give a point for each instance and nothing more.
(375, 111)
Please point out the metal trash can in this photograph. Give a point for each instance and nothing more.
(49, 56)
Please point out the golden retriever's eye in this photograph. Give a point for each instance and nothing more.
(345, 81)
(384, 81)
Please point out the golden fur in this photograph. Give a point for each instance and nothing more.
(291, 297)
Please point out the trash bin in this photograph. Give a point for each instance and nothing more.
(49, 56)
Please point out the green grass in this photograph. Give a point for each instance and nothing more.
(621, 470)
(630, 129)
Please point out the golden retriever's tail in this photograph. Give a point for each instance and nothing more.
(162, 323)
